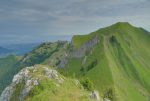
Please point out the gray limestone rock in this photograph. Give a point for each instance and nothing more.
(25, 78)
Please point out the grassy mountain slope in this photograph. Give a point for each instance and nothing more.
(118, 64)
(7, 70)
(46, 53)
(51, 90)
(122, 65)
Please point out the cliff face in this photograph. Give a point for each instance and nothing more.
(73, 52)
(85, 48)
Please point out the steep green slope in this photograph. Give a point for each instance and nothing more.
(122, 62)
(78, 40)
(7, 70)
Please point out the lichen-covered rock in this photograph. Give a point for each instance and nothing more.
(45, 82)
(18, 78)
(28, 78)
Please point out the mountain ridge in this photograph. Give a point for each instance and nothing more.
(124, 50)
(115, 58)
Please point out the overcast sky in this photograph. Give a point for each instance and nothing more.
(30, 21)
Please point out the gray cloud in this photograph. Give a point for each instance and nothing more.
(35, 19)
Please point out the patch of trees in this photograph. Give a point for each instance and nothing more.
(92, 65)
(112, 38)
(109, 94)
(87, 84)
(89, 67)
(58, 61)
(114, 41)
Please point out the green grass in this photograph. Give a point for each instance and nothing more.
(46, 53)
(72, 68)
(50, 89)
(43, 53)
(6, 64)
(79, 40)
(122, 66)
(122, 62)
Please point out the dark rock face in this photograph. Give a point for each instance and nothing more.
(80, 52)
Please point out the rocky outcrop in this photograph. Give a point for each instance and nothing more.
(28, 78)
(86, 47)
(95, 95)
(79, 52)
(105, 99)
(24, 82)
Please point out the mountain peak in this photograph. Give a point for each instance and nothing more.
(119, 24)
(122, 23)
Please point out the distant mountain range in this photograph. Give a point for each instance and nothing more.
(17, 49)
(4, 51)
(21, 49)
